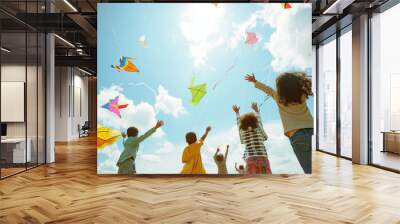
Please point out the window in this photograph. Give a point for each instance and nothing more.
(346, 94)
(327, 97)
(22, 76)
(385, 89)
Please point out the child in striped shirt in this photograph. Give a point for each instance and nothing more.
(253, 136)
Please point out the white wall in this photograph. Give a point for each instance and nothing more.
(14, 73)
(33, 127)
(71, 102)
(61, 104)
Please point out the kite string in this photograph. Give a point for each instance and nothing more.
(265, 79)
(227, 73)
(146, 86)
(265, 101)
(116, 42)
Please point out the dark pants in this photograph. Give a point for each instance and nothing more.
(301, 144)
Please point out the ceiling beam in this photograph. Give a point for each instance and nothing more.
(338, 6)
(79, 61)
(84, 24)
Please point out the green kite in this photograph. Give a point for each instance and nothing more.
(198, 91)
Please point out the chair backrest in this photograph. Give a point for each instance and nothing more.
(86, 125)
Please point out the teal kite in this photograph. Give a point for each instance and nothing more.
(198, 91)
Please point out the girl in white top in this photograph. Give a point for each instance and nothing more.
(293, 90)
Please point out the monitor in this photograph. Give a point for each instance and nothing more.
(3, 129)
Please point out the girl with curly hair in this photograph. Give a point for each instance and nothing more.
(292, 92)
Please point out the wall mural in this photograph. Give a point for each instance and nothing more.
(204, 88)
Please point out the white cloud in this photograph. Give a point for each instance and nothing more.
(149, 157)
(142, 115)
(166, 147)
(199, 26)
(168, 104)
(290, 43)
(107, 167)
(109, 157)
(163, 161)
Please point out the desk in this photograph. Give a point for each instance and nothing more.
(391, 141)
(13, 150)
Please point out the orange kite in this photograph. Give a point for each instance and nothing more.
(125, 64)
(286, 6)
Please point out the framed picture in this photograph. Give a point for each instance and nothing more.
(204, 88)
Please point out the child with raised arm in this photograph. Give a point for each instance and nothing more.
(293, 90)
(241, 169)
(126, 161)
(220, 160)
(191, 156)
(253, 136)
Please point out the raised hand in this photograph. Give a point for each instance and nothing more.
(208, 129)
(159, 124)
(123, 135)
(251, 78)
(236, 109)
(254, 106)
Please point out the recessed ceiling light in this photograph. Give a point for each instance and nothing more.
(64, 40)
(337, 7)
(84, 71)
(70, 5)
(5, 50)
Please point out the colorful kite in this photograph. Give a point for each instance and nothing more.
(251, 38)
(286, 6)
(198, 91)
(143, 42)
(126, 64)
(114, 107)
(106, 136)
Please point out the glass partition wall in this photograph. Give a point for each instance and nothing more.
(334, 94)
(385, 90)
(22, 77)
(346, 95)
(327, 96)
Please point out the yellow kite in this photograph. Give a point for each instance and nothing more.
(106, 136)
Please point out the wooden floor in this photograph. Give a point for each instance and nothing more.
(387, 159)
(69, 191)
(5, 172)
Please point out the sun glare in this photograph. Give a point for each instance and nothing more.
(200, 21)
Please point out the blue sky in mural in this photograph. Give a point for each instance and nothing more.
(172, 43)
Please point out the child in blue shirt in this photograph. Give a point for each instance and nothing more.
(126, 161)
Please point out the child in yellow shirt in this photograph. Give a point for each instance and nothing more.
(191, 156)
